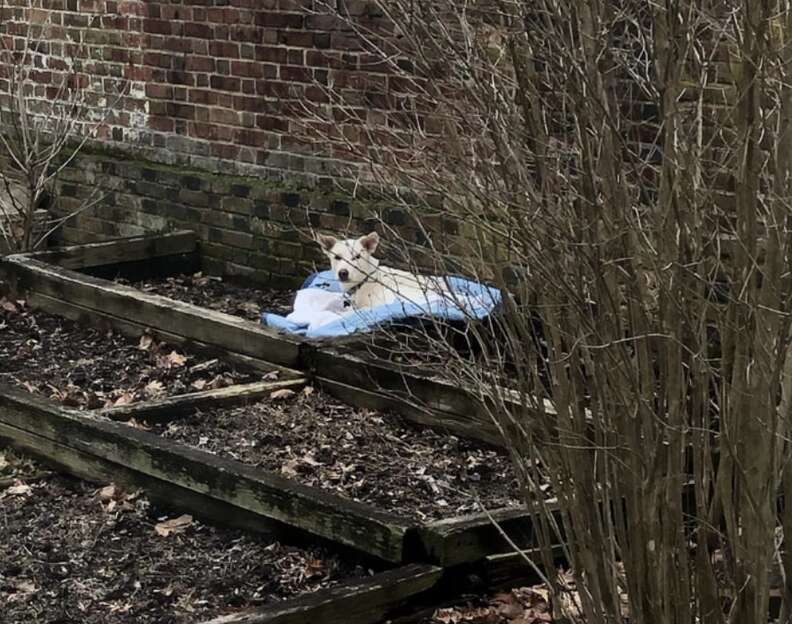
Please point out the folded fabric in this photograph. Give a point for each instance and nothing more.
(320, 311)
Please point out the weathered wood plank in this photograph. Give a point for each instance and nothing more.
(119, 250)
(362, 602)
(468, 538)
(449, 422)
(470, 582)
(170, 408)
(175, 317)
(88, 316)
(272, 496)
(398, 382)
(161, 492)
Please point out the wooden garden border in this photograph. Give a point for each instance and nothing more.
(404, 595)
(74, 439)
(131, 306)
(222, 490)
(120, 250)
(349, 377)
(366, 601)
(357, 380)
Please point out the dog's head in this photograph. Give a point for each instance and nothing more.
(350, 259)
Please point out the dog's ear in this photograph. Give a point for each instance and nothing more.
(369, 242)
(326, 242)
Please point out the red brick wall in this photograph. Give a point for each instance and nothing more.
(217, 84)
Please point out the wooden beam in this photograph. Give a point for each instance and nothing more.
(119, 250)
(452, 541)
(101, 319)
(162, 492)
(367, 601)
(170, 408)
(176, 317)
(270, 495)
(399, 382)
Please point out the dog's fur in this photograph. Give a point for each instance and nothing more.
(361, 275)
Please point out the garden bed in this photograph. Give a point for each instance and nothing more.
(91, 368)
(360, 454)
(72, 552)
(220, 294)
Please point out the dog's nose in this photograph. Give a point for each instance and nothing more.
(343, 275)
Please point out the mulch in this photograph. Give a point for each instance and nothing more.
(86, 367)
(219, 294)
(72, 553)
(359, 454)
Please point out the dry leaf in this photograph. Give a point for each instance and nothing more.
(125, 399)
(107, 493)
(146, 342)
(8, 306)
(176, 359)
(283, 393)
(447, 616)
(508, 605)
(289, 468)
(314, 568)
(308, 390)
(154, 388)
(199, 384)
(20, 489)
(175, 525)
(271, 376)
(25, 587)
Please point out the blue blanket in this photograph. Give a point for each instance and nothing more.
(320, 311)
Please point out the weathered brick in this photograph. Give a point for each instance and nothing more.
(240, 240)
(239, 205)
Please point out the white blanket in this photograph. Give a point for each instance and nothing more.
(314, 307)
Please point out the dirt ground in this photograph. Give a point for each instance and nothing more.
(219, 294)
(362, 455)
(72, 553)
(87, 367)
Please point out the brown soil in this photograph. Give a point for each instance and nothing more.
(362, 455)
(86, 367)
(70, 553)
(219, 294)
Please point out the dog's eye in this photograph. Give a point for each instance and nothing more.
(357, 257)
(337, 258)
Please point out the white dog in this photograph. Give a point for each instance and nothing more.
(366, 283)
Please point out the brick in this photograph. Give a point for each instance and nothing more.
(225, 83)
(159, 91)
(161, 27)
(238, 205)
(271, 54)
(224, 49)
(246, 69)
(279, 20)
(242, 240)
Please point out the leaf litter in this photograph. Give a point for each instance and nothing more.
(86, 367)
(219, 294)
(363, 455)
(75, 553)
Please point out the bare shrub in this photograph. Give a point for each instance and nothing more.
(623, 169)
(48, 114)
